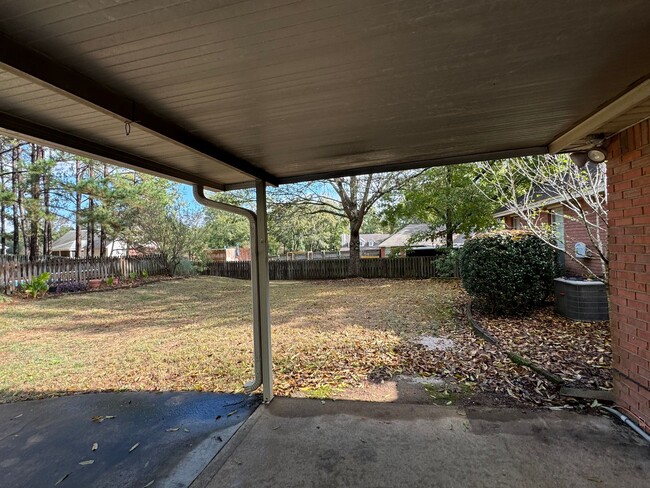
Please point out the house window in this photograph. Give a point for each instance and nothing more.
(557, 224)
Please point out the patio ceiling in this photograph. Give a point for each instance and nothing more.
(223, 93)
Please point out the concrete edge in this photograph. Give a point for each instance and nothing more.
(213, 466)
(193, 464)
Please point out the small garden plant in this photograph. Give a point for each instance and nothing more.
(110, 280)
(37, 285)
(507, 272)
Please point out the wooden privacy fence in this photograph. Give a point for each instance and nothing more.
(17, 270)
(326, 269)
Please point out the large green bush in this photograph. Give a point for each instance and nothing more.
(507, 272)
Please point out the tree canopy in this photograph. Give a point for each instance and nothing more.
(445, 199)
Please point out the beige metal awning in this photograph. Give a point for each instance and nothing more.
(222, 93)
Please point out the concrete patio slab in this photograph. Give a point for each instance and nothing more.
(43, 442)
(308, 443)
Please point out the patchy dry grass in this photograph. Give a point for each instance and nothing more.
(196, 334)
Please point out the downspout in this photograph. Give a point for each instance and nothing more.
(199, 196)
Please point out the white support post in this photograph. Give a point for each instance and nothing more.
(262, 262)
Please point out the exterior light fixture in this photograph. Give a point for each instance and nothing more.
(579, 158)
(597, 155)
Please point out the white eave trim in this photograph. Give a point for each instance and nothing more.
(594, 122)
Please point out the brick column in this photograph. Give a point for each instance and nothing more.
(629, 262)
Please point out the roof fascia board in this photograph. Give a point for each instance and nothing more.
(404, 165)
(535, 205)
(594, 122)
(40, 69)
(20, 128)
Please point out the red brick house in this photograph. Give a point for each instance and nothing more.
(570, 231)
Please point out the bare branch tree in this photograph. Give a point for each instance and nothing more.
(527, 185)
(350, 198)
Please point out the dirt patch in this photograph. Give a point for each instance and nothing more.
(435, 343)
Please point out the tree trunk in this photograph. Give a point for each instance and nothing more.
(3, 210)
(90, 246)
(77, 198)
(35, 184)
(47, 225)
(20, 214)
(354, 268)
(14, 189)
(102, 230)
(3, 238)
(449, 230)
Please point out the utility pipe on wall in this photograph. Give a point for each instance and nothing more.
(627, 421)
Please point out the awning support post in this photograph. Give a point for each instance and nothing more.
(261, 305)
(262, 260)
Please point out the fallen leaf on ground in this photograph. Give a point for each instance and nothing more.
(62, 479)
(87, 462)
(173, 429)
(101, 418)
(149, 484)
(134, 447)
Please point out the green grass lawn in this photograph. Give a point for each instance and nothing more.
(195, 334)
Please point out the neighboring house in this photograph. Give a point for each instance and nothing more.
(569, 231)
(368, 244)
(400, 241)
(229, 254)
(65, 246)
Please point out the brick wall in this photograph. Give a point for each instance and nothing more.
(574, 232)
(629, 248)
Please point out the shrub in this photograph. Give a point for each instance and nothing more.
(110, 280)
(70, 287)
(37, 285)
(133, 275)
(446, 264)
(507, 272)
(185, 268)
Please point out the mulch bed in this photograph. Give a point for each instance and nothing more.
(103, 287)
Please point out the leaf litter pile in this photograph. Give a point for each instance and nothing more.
(579, 352)
(328, 336)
